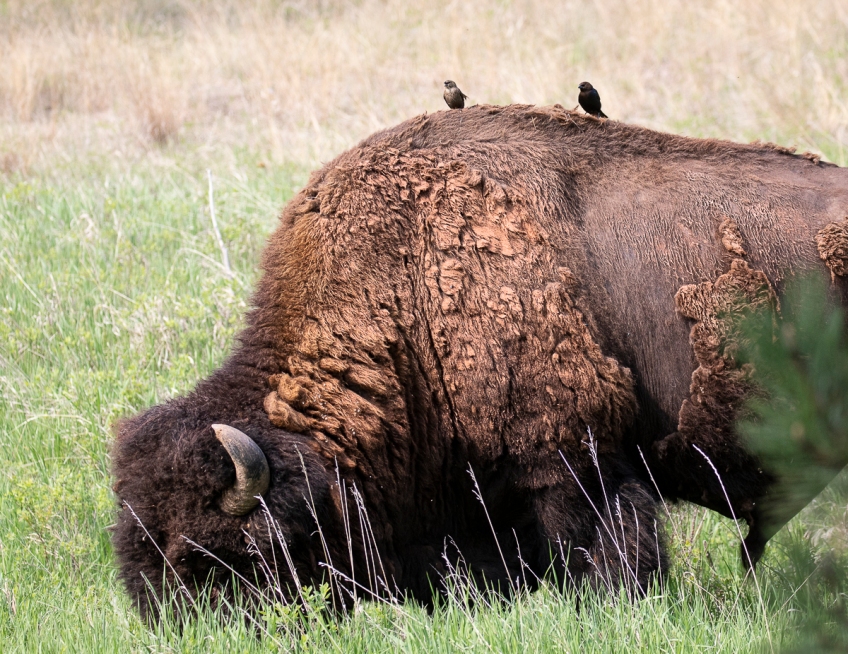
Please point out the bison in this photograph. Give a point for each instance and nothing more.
(482, 336)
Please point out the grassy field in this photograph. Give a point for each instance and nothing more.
(113, 298)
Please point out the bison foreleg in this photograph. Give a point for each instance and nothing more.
(607, 535)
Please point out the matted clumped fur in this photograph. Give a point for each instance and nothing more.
(480, 289)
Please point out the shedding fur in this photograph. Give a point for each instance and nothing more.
(718, 384)
(717, 389)
(832, 244)
(731, 238)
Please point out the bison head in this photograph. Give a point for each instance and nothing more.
(188, 487)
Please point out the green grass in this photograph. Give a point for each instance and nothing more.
(113, 298)
(111, 301)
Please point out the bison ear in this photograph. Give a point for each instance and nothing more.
(252, 475)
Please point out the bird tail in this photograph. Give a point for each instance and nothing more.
(601, 114)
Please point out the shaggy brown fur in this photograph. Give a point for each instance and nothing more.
(832, 244)
(718, 389)
(482, 288)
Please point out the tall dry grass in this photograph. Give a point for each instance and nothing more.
(303, 80)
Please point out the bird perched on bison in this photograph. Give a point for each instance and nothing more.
(590, 100)
(521, 293)
(453, 96)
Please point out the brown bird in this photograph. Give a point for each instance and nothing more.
(590, 100)
(453, 96)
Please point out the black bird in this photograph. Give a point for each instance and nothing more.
(589, 100)
(453, 96)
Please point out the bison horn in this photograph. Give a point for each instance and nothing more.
(252, 475)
